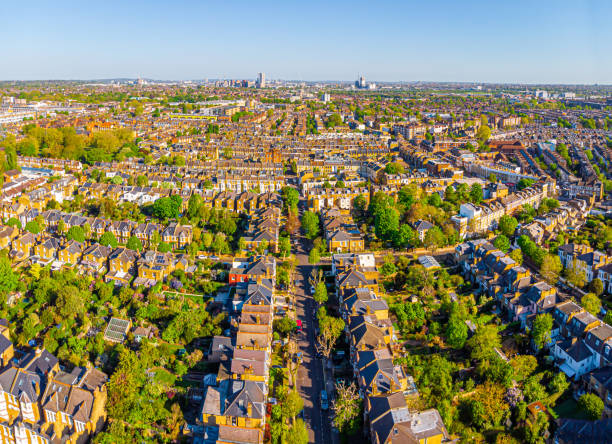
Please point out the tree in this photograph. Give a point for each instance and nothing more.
(330, 329)
(293, 222)
(483, 342)
(558, 383)
(298, 433)
(76, 233)
(310, 224)
(320, 294)
(194, 357)
(597, 286)
(292, 404)
(284, 246)
(284, 325)
(540, 332)
(167, 207)
(156, 239)
(575, 276)
(291, 197)
(550, 268)
(507, 225)
(608, 317)
(334, 120)
(193, 205)
(456, 332)
(314, 256)
(386, 223)
(8, 279)
(69, 301)
(592, 405)
(502, 243)
(388, 268)
(394, 168)
(437, 379)
(108, 239)
(406, 236)
(435, 200)
(61, 226)
(164, 247)
(345, 406)
(492, 178)
(535, 429)
(434, 238)
(14, 222)
(410, 315)
(283, 278)
(134, 243)
(263, 246)
(483, 133)
(359, 203)
(219, 244)
(524, 183)
(476, 193)
(517, 256)
(524, 366)
(591, 303)
(33, 227)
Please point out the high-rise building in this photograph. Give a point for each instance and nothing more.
(261, 80)
(361, 83)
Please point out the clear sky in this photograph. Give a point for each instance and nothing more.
(511, 41)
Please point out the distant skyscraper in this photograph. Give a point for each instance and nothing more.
(361, 83)
(261, 80)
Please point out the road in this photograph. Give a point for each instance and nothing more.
(310, 377)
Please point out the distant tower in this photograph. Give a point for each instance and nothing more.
(360, 83)
(261, 80)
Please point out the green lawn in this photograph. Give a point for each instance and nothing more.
(569, 409)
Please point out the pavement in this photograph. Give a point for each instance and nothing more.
(310, 378)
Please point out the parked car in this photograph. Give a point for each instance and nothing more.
(324, 401)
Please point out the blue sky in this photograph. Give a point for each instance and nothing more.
(497, 41)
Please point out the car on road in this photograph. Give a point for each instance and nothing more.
(312, 290)
(324, 401)
(299, 324)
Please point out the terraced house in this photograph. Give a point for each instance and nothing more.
(234, 408)
(384, 385)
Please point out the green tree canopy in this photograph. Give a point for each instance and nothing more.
(310, 224)
(108, 239)
(591, 303)
(507, 225)
(33, 227)
(540, 332)
(483, 342)
(502, 243)
(76, 233)
(592, 405)
(320, 294)
(134, 243)
(476, 193)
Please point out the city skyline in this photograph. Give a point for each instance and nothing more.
(546, 43)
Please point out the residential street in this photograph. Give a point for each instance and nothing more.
(310, 374)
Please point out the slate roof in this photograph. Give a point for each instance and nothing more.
(578, 431)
